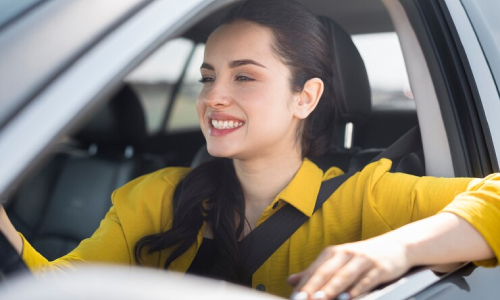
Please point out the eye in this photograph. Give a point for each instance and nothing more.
(244, 78)
(205, 79)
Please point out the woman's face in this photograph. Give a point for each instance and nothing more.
(245, 107)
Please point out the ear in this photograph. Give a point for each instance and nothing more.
(307, 100)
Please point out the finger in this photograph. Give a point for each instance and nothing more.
(319, 277)
(369, 281)
(346, 276)
(294, 279)
(324, 256)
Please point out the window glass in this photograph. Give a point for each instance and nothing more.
(184, 116)
(386, 69)
(155, 78)
(484, 17)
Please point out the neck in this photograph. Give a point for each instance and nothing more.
(262, 178)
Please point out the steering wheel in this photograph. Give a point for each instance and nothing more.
(10, 261)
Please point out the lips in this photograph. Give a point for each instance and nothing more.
(222, 123)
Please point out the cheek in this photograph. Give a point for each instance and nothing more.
(200, 103)
(272, 100)
(269, 111)
(199, 106)
(200, 109)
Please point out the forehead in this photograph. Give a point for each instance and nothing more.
(240, 40)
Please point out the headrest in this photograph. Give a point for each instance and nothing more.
(350, 80)
(119, 123)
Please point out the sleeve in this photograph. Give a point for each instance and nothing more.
(400, 199)
(141, 207)
(106, 245)
(480, 206)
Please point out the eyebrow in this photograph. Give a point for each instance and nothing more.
(234, 64)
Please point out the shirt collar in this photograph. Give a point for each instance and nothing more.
(303, 190)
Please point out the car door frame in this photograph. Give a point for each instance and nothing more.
(88, 82)
(467, 99)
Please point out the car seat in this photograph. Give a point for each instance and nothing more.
(353, 95)
(63, 203)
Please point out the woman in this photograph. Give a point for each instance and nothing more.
(265, 107)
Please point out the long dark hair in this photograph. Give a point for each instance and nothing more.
(212, 192)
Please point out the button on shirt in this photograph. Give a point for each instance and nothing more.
(371, 202)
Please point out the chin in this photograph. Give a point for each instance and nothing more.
(219, 151)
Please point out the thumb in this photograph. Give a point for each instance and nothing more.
(294, 279)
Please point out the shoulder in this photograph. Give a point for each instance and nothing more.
(373, 171)
(148, 196)
(154, 183)
(377, 179)
(365, 180)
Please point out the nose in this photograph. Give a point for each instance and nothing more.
(217, 96)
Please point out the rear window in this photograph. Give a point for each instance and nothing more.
(156, 78)
(159, 77)
(184, 115)
(386, 69)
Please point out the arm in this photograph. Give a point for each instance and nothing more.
(107, 244)
(440, 239)
(136, 211)
(9, 231)
(466, 230)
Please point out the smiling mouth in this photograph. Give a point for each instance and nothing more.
(225, 124)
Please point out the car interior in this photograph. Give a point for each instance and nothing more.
(150, 123)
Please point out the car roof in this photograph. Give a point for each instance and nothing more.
(355, 16)
(46, 40)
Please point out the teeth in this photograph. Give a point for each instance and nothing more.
(226, 124)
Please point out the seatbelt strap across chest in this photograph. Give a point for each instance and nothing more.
(266, 238)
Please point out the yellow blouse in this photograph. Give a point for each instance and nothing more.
(371, 202)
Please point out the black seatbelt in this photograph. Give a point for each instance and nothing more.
(266, 238)
(407, 143)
